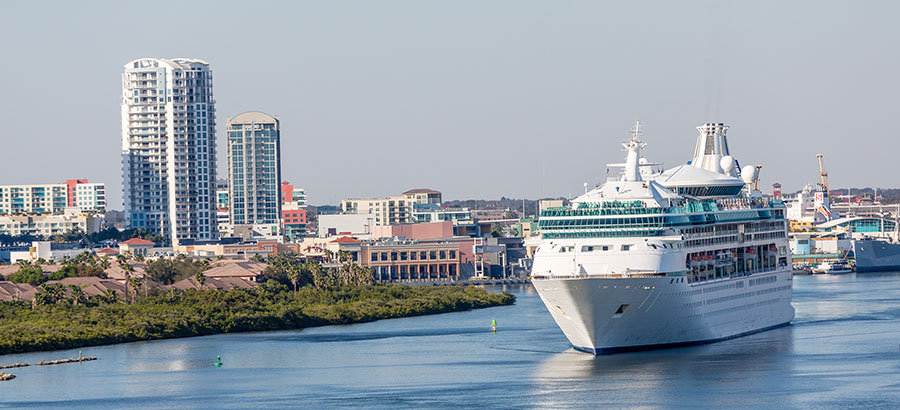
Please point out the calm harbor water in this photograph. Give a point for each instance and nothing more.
(840, 352)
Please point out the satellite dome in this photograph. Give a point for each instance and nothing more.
(748, 174)
(727, 163)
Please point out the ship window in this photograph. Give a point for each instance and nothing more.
(621, 310)
(626, 247)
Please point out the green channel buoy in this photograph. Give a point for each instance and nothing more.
(493, 325)
(218, 361)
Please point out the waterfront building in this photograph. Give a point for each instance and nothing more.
(391, 210)
(356, 225)
(293, 212)
(419, 231)
(38, 199)
(429, 212)
(52, 198)
(290, 193)
(225, 228)
(293, 221)
(223, 206)
(48, 225)
(136, 246)
(169, 148)
(222, 201)
(254, 169)
(409, 260)
(423, 196)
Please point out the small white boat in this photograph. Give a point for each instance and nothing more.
(834, 267)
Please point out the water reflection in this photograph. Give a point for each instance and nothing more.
(654, 378)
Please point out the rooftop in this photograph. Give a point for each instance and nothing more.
(421, 191)
(136, 241)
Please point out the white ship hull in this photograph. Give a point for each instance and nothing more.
(603, 315)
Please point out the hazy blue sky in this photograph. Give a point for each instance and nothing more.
(478, 99)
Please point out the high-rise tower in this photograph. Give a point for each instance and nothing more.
(169, 148)
(254, 168)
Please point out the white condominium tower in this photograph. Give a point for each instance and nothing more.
(254, 168)
(169, 148)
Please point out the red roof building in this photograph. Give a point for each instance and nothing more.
(137, 241)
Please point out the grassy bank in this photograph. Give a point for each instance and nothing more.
(24, 328)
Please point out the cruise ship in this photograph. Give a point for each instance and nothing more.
(648, 260)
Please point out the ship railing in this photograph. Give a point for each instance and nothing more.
(598, 275)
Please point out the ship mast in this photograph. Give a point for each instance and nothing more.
(633, 146)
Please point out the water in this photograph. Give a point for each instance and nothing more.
(840, 352)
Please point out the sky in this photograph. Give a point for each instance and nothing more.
(477, 99)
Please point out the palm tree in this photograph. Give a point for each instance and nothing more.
(110, 296)
(200, 278)
(49, 294)
(135, 284)
(104, 263)
(294, 272)
(77, 295)
(128, 270)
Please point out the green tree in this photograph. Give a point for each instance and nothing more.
(49, 294)
(128, 269)
(77, 295)
(110, 296)
(135, 286)
(200, 278)
(32, 275)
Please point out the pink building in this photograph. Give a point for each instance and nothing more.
(431, 230)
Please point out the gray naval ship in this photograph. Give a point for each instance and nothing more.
(873, 255)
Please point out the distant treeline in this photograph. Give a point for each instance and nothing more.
(26, 327)
(531, 205)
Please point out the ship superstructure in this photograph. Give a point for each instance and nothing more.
(692, 255)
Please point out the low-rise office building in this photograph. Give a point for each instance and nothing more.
(408, 260)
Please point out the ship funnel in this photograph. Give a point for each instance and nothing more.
(712, 148)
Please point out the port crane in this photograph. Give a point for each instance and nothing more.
(823, 175)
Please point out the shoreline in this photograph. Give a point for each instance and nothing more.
(155, 318)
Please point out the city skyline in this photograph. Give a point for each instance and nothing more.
(544, 97)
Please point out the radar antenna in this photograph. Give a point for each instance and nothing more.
(637, 131)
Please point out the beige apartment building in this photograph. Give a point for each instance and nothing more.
(392, 210)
